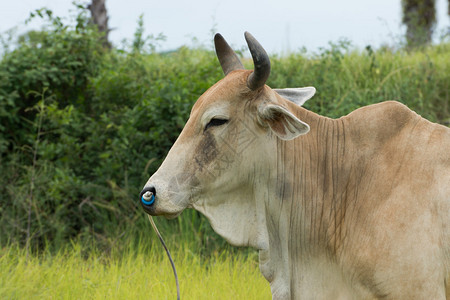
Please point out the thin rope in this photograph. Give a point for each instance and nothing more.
(168, 254)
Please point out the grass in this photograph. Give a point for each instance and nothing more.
(131, 274)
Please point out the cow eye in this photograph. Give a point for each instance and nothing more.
(215, 122)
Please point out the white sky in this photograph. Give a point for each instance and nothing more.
(279, 26)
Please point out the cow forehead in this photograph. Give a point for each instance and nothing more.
(230, 88)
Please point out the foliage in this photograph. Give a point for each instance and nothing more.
(83, 128)
(141, 42)
(60, 59)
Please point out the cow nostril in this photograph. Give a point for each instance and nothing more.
(147, 196)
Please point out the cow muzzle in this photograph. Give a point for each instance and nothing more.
(160, 203)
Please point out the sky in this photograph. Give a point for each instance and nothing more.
(281, 26)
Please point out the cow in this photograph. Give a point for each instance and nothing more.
(350, 208)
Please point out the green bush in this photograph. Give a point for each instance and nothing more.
(82, 128)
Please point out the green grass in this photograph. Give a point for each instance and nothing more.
(130, 274)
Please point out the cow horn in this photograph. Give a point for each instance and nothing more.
(261, 62)
(227, 58)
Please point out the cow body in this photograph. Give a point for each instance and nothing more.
(361, 204)
(352, 208)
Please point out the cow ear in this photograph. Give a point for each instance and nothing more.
(297, 95)
(281, 121)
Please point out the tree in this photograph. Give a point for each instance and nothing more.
(419, 16)
(100, 18)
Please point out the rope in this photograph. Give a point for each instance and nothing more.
(168, 254)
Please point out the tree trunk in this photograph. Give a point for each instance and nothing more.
(419, 16)
(100, 18)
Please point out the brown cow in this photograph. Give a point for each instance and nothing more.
(353, 208)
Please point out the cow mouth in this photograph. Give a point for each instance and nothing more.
(149, 209)
(153, 209)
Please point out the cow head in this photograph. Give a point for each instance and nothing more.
(223, 153)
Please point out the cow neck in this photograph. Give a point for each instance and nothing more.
(313, 182)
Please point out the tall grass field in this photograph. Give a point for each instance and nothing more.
(132, 274)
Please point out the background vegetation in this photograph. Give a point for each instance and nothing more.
(82, 127)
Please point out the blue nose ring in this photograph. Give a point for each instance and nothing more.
(148, 198)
